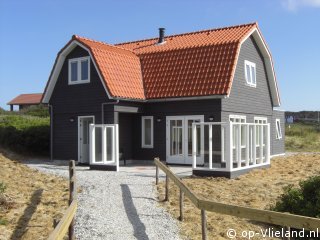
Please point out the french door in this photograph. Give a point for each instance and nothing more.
(179, 139)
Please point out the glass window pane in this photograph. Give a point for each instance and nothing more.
(74, 71)
(248, 73)
(109, 143)
(253, 74)
(147, 131)
(85, 131)
(98, 144)
(85, 70)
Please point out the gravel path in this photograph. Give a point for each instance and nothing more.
(116, 205)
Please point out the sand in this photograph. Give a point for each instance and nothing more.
(37, 199)
(257, 189)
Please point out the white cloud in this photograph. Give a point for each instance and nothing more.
(293, 5)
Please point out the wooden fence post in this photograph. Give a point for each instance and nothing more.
(203, 224)
(157, 175)
(72, 194)
(167, 188)
(181, 204)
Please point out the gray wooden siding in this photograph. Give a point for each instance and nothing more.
(246, 99)
(71, 101)
(249, 101)
(211, 107)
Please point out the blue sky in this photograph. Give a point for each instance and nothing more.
(32, 33)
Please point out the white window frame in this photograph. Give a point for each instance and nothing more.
(240, 117)
(78, 61)
(143, 142)
(264, 121)
(278, 130)
(249, 79)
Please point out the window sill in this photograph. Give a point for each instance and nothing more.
(79, 82)
(251, 85)
(147, 147)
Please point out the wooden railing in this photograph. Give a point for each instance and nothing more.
(264, 216)
(67, 221)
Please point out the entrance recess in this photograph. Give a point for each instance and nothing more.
(83, 138)
(179, 139)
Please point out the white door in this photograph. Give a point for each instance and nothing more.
(179, 139)
(84, 139)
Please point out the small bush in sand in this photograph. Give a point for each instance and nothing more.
(303, 200)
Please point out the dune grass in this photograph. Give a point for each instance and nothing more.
(302, 137)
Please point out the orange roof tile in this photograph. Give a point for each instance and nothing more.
(119, 67)
(25, 99)
(191, 64)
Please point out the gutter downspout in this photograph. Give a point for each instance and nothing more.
(102, 109)
(51, 131)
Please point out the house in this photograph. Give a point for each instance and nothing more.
(205, 98)
(25, 100)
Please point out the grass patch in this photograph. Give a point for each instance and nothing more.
(302, 137)
(3, 222)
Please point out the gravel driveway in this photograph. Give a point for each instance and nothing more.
(116, 205)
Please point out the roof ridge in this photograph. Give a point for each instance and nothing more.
(77, 37)
(189, 33)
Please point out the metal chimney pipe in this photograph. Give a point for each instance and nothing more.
(161, 35)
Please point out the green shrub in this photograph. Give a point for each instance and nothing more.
(303, 200)
(25, 134)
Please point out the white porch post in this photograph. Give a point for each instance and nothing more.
(239, 145)
(92, 143)
(261, 144)
(247, 144)
(267, 160)
(194, 146)
(104, 144)
(222, 144)
(254, 152)
(210, 146)
(116, 143)
(229, 161)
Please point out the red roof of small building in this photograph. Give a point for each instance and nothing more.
(26, 99)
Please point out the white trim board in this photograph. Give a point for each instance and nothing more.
(277, 155)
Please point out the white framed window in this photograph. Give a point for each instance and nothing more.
(147, 131)
(238, 119)
(250, 73)
(79, 70)
(278, 127)
(259, 120)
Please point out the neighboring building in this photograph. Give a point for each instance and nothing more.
(25, 100)
(154, 89)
